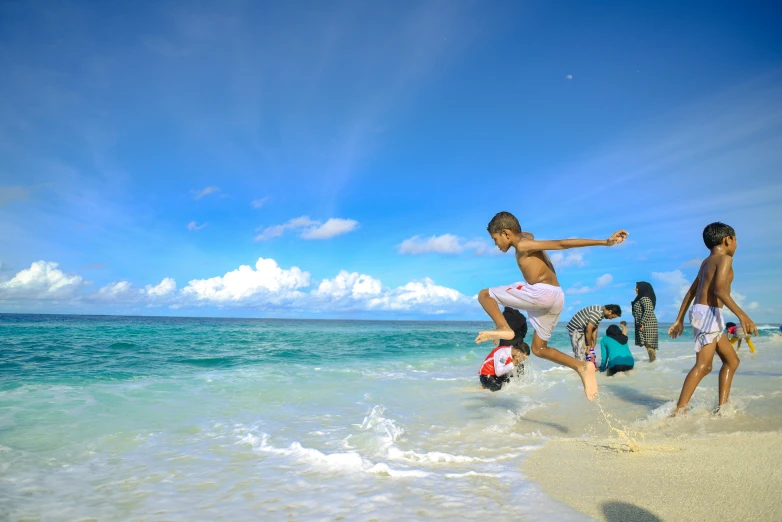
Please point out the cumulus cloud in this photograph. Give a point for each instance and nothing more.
(265, 286)
(445, 244)
(195, 226)
(119, 292)
(675, 282)
(564, 259)
(165, 287)
(266, 282)
(601, 282)
(198, 194)
(310, 229)
(693, 262)
(331, 228)
(43, 280)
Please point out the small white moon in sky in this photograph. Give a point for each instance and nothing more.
(569, 76)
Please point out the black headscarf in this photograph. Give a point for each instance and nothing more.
(645, 290)
(517, 323)
(615, 333)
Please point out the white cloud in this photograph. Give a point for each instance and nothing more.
(693, 262)
(562, 259)
(43, 280)
(266, 282)
(331, 228)
(266, 286)
(445, 244)
(569, 76)
(423, 296)
(601, 282)
(119, 291)
(311, 229)
(258, 203)
(166, 286)
(195, 226)
(198, 194)
(754, 305)
(353, 285)
(674, 281)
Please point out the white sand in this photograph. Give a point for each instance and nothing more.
(725, 477)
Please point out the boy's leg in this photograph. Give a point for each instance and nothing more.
(751, 346)
(501, 330)
(730, 363)
(585, 370)
(701, 369)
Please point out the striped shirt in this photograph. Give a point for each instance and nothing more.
(591, 314)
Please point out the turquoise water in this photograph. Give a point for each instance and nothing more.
(123, 418)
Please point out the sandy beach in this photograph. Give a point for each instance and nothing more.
(722, 477)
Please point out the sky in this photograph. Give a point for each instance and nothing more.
(343, 159)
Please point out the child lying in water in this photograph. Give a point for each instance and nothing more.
(508, 355)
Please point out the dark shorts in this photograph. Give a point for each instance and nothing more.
(618, 368)
(494, 383)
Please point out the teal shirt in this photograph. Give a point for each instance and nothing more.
(613, 354)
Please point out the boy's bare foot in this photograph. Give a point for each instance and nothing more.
(488, 335)
(677, 412)
(587, 374)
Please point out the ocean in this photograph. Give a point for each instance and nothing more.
(141, 418)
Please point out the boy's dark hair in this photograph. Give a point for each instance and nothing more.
(715, 232)
(730, 325)
(623, 322)
(614, 309)
(504, 221)
(517, 323)
(524, 347)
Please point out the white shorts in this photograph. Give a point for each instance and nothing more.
(543, 304)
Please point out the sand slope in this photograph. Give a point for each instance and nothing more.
(727, 477)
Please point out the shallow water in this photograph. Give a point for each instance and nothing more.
(196, 419)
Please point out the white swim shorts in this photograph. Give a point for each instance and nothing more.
(543, 304)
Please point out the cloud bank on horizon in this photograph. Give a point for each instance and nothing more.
(370, 145)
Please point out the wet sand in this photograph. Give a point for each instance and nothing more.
(721, 477)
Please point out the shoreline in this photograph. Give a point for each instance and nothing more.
(664, 478)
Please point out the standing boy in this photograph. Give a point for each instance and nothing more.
(539, 294)
(583, 328)
(711, 289)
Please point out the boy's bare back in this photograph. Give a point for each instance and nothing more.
(716, 270)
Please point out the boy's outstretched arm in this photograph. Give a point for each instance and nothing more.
(533, 245)
(677, 327)
(722, 291)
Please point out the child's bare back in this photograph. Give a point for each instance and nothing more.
(717, 269)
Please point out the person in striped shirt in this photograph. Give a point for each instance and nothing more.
(583, 328)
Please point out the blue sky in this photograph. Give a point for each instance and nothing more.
(343, 159)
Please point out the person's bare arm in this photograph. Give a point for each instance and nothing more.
(591, 335)
(532, 245)
(722, 291)
(677, 327)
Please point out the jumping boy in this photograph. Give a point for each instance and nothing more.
(539, 294)
(737, 334)
(711, 289)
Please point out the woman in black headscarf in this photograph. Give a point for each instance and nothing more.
(645, 320)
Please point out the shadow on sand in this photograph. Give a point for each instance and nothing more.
(624, 512)
(634, 396)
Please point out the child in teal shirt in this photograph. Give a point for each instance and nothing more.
(614, 352)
